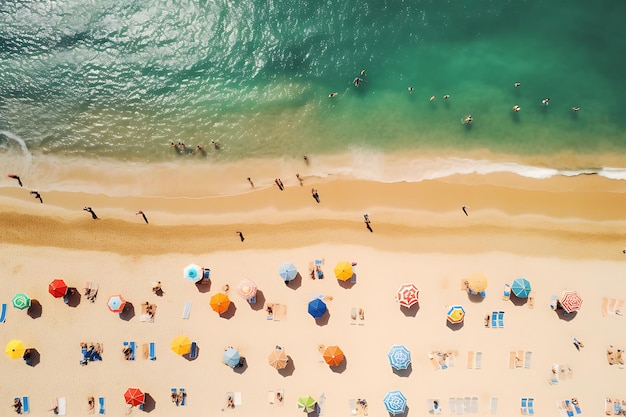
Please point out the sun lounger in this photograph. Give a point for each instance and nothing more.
(186, 310)
(361, 317)
(612, 303)
(531, 409)
(512, 356)
(576, 406)
(527, 356)
(3, 313)
(493, 406)
(567, 406)
(252, 300)
(494, 319)
(152, 351)
(474, 405)
(460, 410)
(617, 407)
(174, 394)
(519, 359)
(145, 350)
(506, 294)
(608, 406)
(434, 362)
(470, 359)
(524, 406)
(183, 401)
(321, 402)
(604, 307)
(467, 404)
(478, 360)
(619, 307)
(206, 275)
(193, 353)
(353, 315)
(554, 302)
(237, 399)
(432, 408)
(452, 405)
(500, 319)
(62, 406)
(101, 410)
(132, 350)
(25, 405)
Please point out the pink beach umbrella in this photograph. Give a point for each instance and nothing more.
(246, 289)
(408, 295)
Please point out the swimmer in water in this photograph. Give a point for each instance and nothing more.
(331, 95)
(357, 81)
(516, 108)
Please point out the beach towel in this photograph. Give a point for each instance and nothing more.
(3, 313)
(25, 405)
(152, 352)
(101, 410)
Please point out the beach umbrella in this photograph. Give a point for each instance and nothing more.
(456, 314)
(21, 301)
(116, 303)
(333, 355)
(307, 403)
(408, 295)
(570, 301)
(399, 357)
(220, 303)
(15, 349)
(317, 308)
(181, 345)
(134, 396)
(343, 271)
(521, 287)
(477, 283)
(231, 356)
(395, 402)
(192, 272)
(57, 288)
(278, 358)
(287, 271)
(247, 289)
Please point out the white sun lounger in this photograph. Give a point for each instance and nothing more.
(62, 405)
(237, 399)
(527, 357)
(494, 405)
(452, 405)
(460, 409)
(352, 404)
(478, 360)
(186, 310)
(474, 405)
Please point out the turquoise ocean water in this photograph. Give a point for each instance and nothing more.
(121, 79)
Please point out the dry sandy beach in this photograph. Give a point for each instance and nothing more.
(559, 233)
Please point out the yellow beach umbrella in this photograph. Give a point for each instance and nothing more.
(181, 345)
(343, 271)
(15, 349)
(477, 283)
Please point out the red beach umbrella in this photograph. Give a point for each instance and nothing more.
(570, 301)
(408, 295)
(57, 288)
(134, 397)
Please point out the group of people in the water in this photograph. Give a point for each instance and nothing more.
(181, 148)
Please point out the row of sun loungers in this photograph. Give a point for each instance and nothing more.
(474, 360)
(59, 406)
(179, 397)
(612, 306)
(495, 320)
(569, 408)
(460, 406)
(614, 407)
(520, 359)
(527, 406)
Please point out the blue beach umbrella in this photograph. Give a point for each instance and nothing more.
(21, 301)
(192, 272)
(317, 308)
(287, 271)
(231, 356)
(395, 402)
(521, 287)
(399, 357)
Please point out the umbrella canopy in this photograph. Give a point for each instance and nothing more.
(317, 308)
(134, 396)
(343, 271)
(408, 295)
(116, 303)
(477, 283)
(287, 271)
(456, 314)
(570, 301)
(192, 272)
(278, 359)
(247, 289)
(57, 288)
(181, 345)
(399, 357)
(21, 301)
(395, 402)
(521, 287)
(15, 349)
(220, 303)
(333, 355)
(231, 356)
(307, 403)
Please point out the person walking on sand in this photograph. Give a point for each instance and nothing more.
(250, 181)
(145, 219)
(366, 218)
(279, 183)
(37, 196)
(16, 177)
(299, 179)
(240, 236)
(315, 195)
(464, 208)
(306, 159)
(90, 210)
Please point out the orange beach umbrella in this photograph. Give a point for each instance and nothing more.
(278, 358)
(220, 303)
(333, 355)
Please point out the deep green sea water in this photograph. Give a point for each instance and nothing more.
(122, 79)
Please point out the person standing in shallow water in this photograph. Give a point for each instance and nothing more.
(145, 219)
(240, 236)
(315, 195)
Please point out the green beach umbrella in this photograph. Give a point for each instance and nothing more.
(307, 403)
(21, 301)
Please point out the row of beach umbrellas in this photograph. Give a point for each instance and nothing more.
(395, 403)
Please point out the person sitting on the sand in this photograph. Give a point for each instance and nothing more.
(127, 351)
(174, 397)
(91, 403)
(17, 405)
(230, 403)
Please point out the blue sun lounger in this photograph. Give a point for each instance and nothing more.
(25, 405)
(193, 353)
(500, 319)
(184, 393)
(101, 403)
(524, 406)
(3, 313)
(494, 319)
(152, 353)
(175, 396)
(531, 409)
(132, 350)
(568, 408)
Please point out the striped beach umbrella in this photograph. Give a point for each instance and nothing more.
(570, 301)
(220, 303)
(456, 314)
(399, 357)
(181, 345)
(278, 358)
(231, 356)
(15, 349)
(521, 287)
(408, 295)
(333, 355)
(57, 288)
(116, 303)
(343, 271)
(287, 271)
(134, 397)
(395, 402)
(246, 289)
(307, 403)
(193, 273)
(317, 308)
(21, 301)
